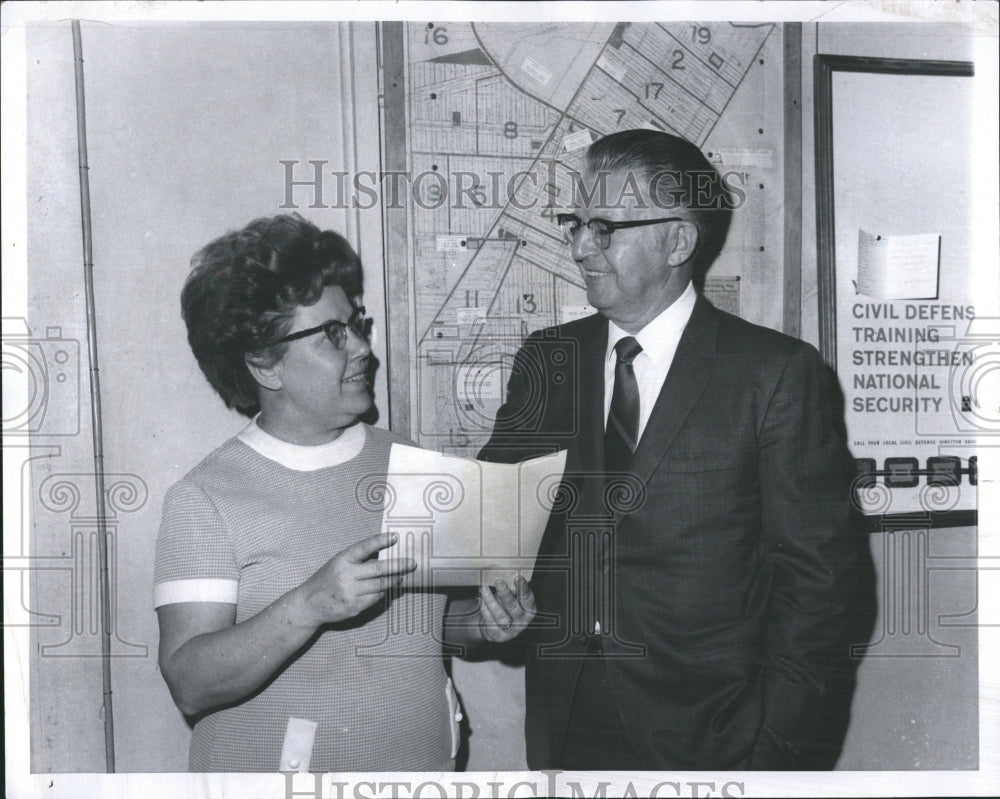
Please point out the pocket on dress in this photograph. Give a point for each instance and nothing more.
(297, 747)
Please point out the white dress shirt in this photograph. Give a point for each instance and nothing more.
(659, 340)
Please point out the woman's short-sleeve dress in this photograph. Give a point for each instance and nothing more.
(255, 519)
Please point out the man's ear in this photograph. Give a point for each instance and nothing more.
(268, 377)
(685, 242)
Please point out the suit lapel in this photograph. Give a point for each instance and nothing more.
(590, 398)
(688, 377)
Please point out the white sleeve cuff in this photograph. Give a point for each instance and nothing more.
(197, 590)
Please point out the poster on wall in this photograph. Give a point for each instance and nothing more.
(913, 341)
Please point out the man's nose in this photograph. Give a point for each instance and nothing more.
(584, 243)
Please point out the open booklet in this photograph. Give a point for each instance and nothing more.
(466, 521)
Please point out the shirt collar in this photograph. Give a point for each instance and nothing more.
(661, 334)
(303, 458)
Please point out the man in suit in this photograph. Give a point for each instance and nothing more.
(694, 577)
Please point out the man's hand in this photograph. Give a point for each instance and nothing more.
(503, 614)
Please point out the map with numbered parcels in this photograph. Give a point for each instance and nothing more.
(498, 118)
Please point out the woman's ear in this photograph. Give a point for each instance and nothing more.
(268, 377)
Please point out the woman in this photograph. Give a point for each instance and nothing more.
(276, 617)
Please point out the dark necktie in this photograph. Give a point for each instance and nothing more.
(621, 435)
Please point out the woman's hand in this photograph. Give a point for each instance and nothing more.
(503, 614)
(208, 660)
(352, 580)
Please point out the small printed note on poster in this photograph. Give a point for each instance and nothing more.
(898, 267)
(464, 520)
(723, 293)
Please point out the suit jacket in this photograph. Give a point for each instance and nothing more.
(722, 564)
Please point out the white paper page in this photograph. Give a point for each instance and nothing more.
(871, 264)
(912, 267)
(898, 267)
(466, 522)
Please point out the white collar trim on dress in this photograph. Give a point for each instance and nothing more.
(301, 457)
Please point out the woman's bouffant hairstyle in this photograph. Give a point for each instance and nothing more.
(242, 292)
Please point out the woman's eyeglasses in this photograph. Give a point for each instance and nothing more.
(601, 229)
(336, 330)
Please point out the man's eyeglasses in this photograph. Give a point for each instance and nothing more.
(601, 229)
(336, 330)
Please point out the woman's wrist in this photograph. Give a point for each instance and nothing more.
(298, 611)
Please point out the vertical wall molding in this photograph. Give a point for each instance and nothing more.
(349, 137)
(792, 305)
(396, 231)
(360, 78)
